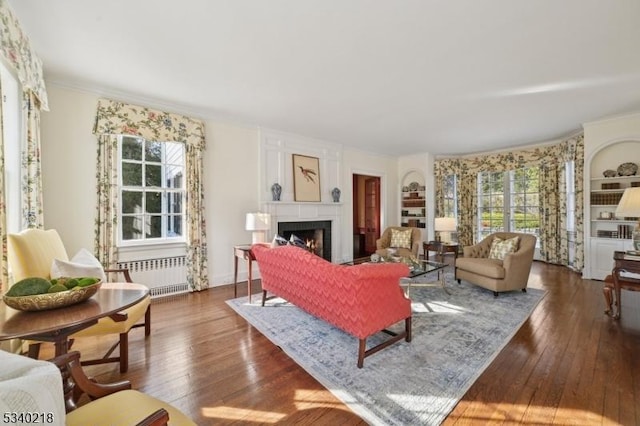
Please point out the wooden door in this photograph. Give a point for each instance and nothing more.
(371, 213)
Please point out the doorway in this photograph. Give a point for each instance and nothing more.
(366, 214)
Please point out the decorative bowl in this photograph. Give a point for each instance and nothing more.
(627, 169)
(43, 302)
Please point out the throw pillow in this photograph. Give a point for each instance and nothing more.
(297, 241)
(501, 248)
(83, 264)
(401, 239)
(278, 241)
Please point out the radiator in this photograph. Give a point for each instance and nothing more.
(164, 276)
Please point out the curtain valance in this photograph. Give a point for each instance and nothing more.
(119, 118)
(16, 50)
(510, 160)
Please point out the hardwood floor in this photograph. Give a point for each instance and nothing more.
(568, 364)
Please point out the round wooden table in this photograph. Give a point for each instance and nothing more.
(56, 325)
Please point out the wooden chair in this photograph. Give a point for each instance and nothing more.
(31, 253)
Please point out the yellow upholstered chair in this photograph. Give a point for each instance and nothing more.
(31, 254)
(405, 247)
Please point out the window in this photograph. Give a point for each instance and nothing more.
(152, 193)
(11, 137)
(509, 201)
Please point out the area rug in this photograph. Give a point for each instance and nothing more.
(455, 337)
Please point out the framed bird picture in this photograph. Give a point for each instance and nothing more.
(306, 178)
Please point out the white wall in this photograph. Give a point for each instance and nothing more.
(232, 173)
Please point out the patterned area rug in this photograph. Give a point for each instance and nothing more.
(455, 337)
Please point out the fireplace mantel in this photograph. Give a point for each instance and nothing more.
(283, 211)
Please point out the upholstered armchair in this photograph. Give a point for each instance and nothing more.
(31, 253)
(498, 270)
(405, 240)
(38, 389)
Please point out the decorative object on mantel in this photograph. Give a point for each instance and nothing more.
(259, 223)
(627, 169)
(629, 206)
(306, 178)
(276, 190)
(414, 186)
(609, 173)
(335, 193)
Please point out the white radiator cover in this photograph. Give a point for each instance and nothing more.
(164, 276)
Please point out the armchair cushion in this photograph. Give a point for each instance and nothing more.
(501, 248)
(83, 264)
(401, 239)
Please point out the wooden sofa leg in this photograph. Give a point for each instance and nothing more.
(524, 290)
(264, 297)
(495, 294)
(361, 351)
(608, 300)
(124, 352)
(147, 321)
(407, 329)
(34, 350)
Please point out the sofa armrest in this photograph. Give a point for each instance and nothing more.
(517, 266)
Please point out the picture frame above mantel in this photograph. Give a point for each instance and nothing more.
(306, 178)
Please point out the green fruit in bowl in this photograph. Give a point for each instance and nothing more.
(57, 288)
(29, 287)
(87, 281)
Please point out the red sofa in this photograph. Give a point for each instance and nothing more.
(361, 300)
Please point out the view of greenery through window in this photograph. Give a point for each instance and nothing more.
(151, 189)
(509, 201)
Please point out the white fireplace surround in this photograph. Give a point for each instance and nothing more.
(276, 150)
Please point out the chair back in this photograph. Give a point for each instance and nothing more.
(32, 251)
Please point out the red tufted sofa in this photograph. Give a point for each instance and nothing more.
(361, 300)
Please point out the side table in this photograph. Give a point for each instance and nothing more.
(440, 248)
(622, 263)
(242, 252)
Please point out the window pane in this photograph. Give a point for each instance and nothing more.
(174, 202)
(131, 202)
(132, 227)
(154, 202)
(154, 227)
(174, 153)
(153, 151)
(174, 177)
(131, 148)
(153, 175)
(131, 174)
(174, 226)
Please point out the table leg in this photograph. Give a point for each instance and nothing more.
(250, 279)
(235, 274)
(617, 304)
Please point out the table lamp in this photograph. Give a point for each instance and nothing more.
(259, 224)
(445, 226)
(629, 206)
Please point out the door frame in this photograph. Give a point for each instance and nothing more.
(383, 200)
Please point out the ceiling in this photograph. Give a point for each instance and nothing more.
(395, 77)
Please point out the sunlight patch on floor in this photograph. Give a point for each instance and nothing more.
(416, 403)
(237, 414)
(437, 307)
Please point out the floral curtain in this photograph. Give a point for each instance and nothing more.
(16, 50)
(31, 164)
(116, 118)
(551, 160)
(4, 283)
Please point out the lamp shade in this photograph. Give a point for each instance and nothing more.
(445, 224)
(629, 205)
(258, 221)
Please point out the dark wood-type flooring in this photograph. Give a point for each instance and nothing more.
(568, 364)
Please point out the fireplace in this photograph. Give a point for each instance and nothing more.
(317, 235)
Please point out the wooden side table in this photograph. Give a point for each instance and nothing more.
(440, 248)
(623, 263)
(242, 252)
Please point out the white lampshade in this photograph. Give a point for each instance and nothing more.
(629, 206)
(259, 223)
(446, 224)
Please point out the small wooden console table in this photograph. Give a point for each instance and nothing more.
(623, 263)
(242, 252)
(440, 248)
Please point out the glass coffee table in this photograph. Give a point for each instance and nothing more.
(417, 267)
